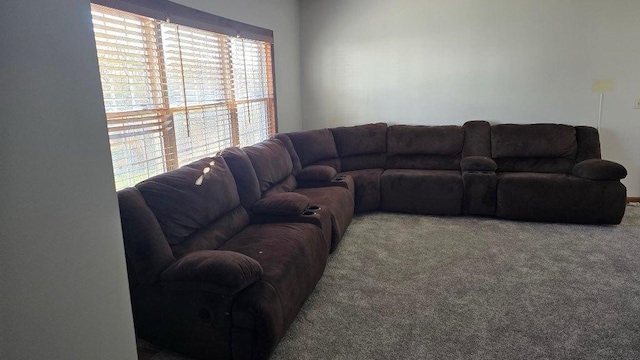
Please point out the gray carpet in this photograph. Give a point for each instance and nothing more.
(423, 287)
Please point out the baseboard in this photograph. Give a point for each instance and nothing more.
(633, 199)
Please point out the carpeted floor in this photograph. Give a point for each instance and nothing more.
(423, 287)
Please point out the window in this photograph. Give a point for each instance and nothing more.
(175, 93)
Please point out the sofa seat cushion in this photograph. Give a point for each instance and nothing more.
(293, 257)
(435, 192)
(559, 198)
(339, 201)
(367, 188)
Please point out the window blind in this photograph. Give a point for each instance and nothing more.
(174, 93)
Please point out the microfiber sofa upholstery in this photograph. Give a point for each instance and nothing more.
(535, 172)
(222, 253)
(550, 172)
(207, 281)
(276, 176)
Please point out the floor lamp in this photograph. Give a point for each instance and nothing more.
(601, 86)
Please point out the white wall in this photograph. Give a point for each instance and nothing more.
(63, 282)
(281, 16)
(448, 61)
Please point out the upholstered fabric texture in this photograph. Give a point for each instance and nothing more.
(293, 257)
(316, 173)
(588, 143)
(367, 188)
(477, 138)
(181, 199)
(424, 140)
(146, 247)
(361, 139)
(244, 175)
(288, 203)
(534, 141)
(340, 203)
(214, 234)
(478, 163)
(479, 193)
(559, 198)
(597, 169)
(286, 141)
(316, 147)
(424, 147)
(436, 192)
(220, 272)
(271, 161)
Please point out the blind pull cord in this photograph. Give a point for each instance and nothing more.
(246, 82)
(184, 85)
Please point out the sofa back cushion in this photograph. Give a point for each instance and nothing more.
(362, 146)
(424, 147)
(547, 148)
(316, 147)
(273, 166)
(244, 174)
(190, 198)
(286, 141)
(477, 138)
(588, 143)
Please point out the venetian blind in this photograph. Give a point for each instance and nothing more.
(174, 93)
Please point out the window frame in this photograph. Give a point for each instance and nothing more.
(167, 11)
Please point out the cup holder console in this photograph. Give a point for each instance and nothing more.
(338, 178)
(313, 207)
(308, 213)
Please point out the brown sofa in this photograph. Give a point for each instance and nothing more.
(223, 252)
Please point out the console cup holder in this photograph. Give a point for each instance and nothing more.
(313, 207)
(338, 178)
(308, 213)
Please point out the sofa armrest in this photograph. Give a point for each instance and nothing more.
(310, 215)
(285, 204)
(215, 271)
(597, 169)
(345, 181)
(478, 163)
(316, 173)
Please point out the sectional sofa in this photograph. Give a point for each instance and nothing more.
(223, 252)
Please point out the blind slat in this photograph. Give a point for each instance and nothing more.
(174, 94)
